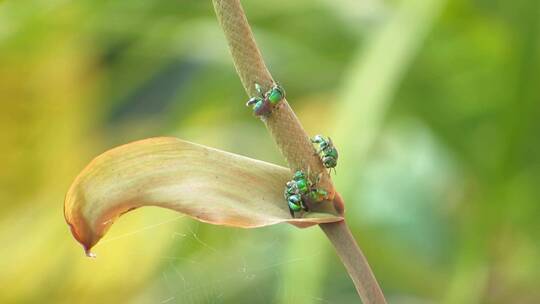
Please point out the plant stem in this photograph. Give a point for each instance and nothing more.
(354, 261)
(293, 142)
(284, 126)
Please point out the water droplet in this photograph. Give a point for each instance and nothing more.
(91, 254)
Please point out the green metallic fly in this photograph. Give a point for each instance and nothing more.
(266, 102)
(327, 151)
(300, 191)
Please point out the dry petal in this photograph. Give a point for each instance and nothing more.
(210, 185)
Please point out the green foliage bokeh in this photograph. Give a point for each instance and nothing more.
(440, 170)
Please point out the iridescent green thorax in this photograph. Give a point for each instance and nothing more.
(302, 185)
(294, 207)
(275, 95)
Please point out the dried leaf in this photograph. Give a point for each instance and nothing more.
(210, 185)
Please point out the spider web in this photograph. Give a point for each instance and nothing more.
(210, 264)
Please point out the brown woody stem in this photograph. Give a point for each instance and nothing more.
(354, 261)
(293, 142)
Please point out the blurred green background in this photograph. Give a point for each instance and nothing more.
(433, 104)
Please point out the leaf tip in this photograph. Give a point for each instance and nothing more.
(79, 233)
(79, 227)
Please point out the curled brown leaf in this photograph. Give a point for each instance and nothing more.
(209, 185)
